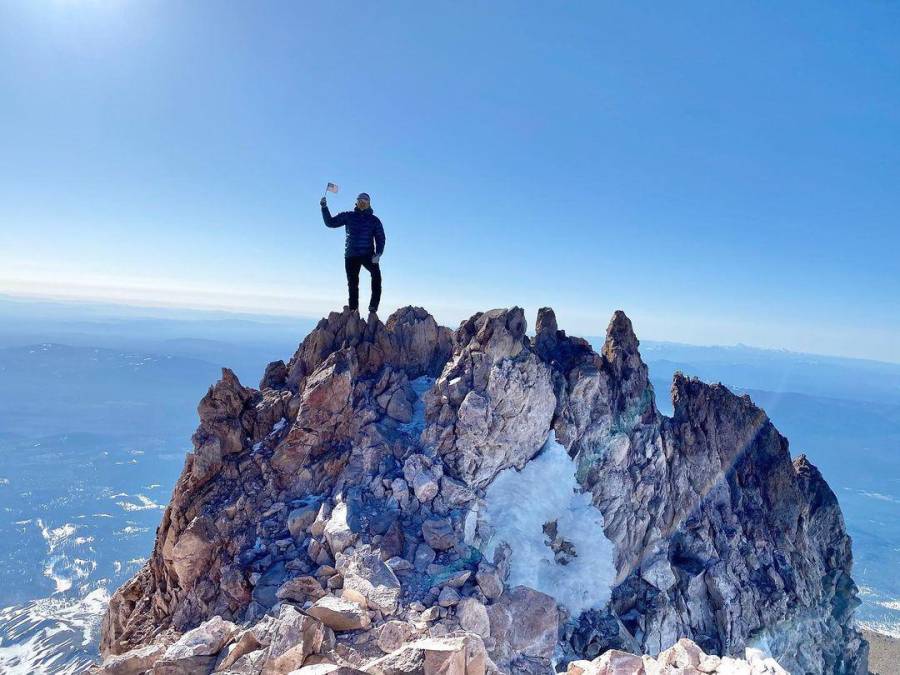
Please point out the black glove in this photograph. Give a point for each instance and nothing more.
(322, 202)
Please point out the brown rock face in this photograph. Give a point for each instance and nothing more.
(526, 622)
(343, 496)
(256, 453)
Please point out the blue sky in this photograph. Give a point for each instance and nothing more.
(724, 174)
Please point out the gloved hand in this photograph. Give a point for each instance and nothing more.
(376, 258)
(322, 202)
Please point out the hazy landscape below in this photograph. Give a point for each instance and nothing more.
(98, 404)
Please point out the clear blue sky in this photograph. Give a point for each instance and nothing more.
(724, 174)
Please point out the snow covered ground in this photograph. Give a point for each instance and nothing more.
(520, 503)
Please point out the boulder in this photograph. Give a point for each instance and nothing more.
(682, 658)
(220, 433)
(439, 534)
(450, 655)
(274, 376)
(191, 665)
(294, 637)
(365, 573)
(418, 344)
(489, 581)
(299, 519)
(394, 634)
(300, 589)
(250, 663)
(337, 530)
(525, 621)
(425, 486)
(133, 662)
(265, 590)
(244, 643)
(615, 662)
(418, 472)
(326, 417)
(448, 597)
(424, 556)
(207, 639)
(339, 614)
(193, 550)
(473, 617)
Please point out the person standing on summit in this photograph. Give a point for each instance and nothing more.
(363, 246)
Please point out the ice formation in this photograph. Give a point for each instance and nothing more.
(518, 504)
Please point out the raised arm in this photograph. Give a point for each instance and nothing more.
(379, 237)
(338, 220)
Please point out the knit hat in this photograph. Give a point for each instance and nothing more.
(363, 195)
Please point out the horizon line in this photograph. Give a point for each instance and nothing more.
(243, 313)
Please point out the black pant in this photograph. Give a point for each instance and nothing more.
(352, 265)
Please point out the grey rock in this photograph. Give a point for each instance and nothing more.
(339, 614)
(275, 376)
(524, 622)
(337, 530)
(193, 550)
(133, 662)
(439, 534)
(265, 591)
(431, 614)
(400, 490)
(489, 581)
(419, 474)
(300, 589)
(300, 519)
(365, 573)
(455, 579)
(207, 639)
(473, 617)
(326, 669)
(191, 665)
(453, 655)
(448, 597)
(424, 556)
(503, 418)
(456, 493)
(294, 637)
(394, 634)
(398, 564)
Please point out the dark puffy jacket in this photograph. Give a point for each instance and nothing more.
(365, 235)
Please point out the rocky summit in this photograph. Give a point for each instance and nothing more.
(402, 498)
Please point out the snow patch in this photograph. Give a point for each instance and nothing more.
(519, 503)
(51, 635)
(55, 536)
(145, 504)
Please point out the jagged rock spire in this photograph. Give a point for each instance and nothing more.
(621, 346)
(411, 340)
